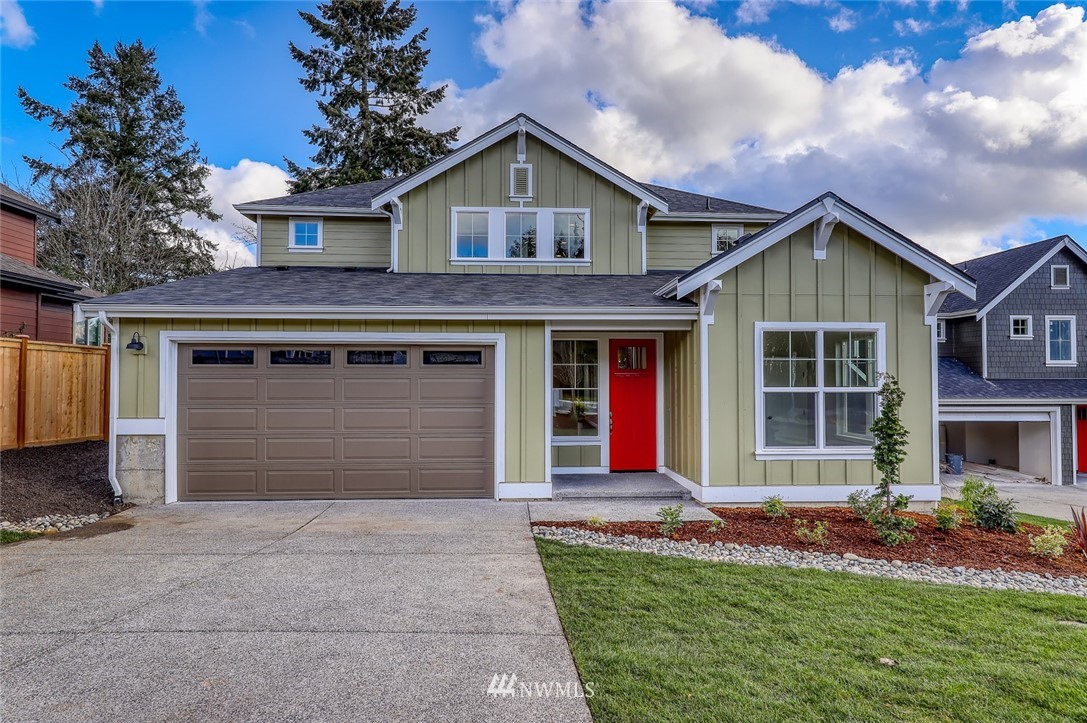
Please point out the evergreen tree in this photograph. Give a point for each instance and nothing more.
(125, 143)
(372, 95)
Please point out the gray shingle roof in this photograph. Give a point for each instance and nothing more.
(355, 195)
(680, 201)
(14, 270)
(959, 382)
(333, 286)
(11, 197)
(995, 272)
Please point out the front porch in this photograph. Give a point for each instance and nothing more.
(618, 486)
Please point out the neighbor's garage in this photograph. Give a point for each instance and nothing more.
(334, 422)
(1022, 442)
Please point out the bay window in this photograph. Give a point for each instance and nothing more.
(817, 388)
(520, 235)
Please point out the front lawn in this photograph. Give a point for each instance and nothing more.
(7, 536)
(672, 639)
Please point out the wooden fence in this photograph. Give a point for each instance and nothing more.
(52, 393)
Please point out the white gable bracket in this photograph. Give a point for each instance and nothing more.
(708, 300)
(823, 228)
(935, 293)
(521, 152)
(397, 215)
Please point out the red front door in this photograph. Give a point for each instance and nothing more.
(1081, 437)
(633, 398)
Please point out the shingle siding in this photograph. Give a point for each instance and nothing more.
(963, 342)
(1025, 358)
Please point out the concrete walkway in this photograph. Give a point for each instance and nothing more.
(347, 611)
(1034, 499)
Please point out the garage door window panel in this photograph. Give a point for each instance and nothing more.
(223, 357)
(432, 357)
(377, 357)
(304, 357)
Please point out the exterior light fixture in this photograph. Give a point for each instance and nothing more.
(135, 345)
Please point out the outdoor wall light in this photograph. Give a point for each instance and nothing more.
(135, 345)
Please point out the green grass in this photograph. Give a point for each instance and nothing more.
(7, 536)
(668, 639)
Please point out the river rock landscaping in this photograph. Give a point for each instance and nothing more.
(744, 535)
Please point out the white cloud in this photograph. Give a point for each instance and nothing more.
(957, 158)
(15, 31)
(912, 26)
(247, 181)
(98, 4)
(753, 12)
(202, 16)
(844, 21)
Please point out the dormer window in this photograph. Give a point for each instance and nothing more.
(307, 234)
(725, 237)
(1058, 277)
(520, 181)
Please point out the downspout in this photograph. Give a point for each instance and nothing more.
(114, 396)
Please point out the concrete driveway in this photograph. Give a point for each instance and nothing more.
(1034, 499)
(377, 610)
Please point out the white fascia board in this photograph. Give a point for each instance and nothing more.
(247, 209)
(711, 217)
(958, 314)
(814, 211)
(1067, 243)
(503, 131)
(950, 404)
(645, 314)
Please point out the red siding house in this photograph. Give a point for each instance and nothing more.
(33, 301)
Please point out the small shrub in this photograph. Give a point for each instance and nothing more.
(812, 535)
(973, 490)
(1079, 529)
(671, 519)
(595, 521)
(1050, 543)
(717, 524)
(993, 513)
(773, 506)
(862, 503)
(893, 529)
(948, 516)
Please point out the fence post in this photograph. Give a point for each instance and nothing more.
(20, 414)
(106, 391)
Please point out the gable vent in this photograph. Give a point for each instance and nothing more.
(520, 180)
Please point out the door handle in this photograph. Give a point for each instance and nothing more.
(611, 423)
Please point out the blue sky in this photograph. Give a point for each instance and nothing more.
(778, 60)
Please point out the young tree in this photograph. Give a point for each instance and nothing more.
(888, 453)
(372, 95)
(125, 143)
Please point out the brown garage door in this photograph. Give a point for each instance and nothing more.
(327, 422)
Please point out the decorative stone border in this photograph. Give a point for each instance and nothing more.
(781, 557)
(51, 524)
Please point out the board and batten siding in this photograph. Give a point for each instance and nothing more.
(615, 244)
(682, 404)
(526, 456)
(858, 282)
(581, 455)
(680, 246)
(363, 242)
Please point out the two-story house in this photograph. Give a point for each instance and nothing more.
(33, 302)
(517, 310)
(1013, 362)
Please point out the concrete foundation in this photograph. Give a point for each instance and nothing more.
(141, 467)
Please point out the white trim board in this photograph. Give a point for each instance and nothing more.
(804, 493)
(523, 491)
(168, 346)
(809, 214)
(145, 426)
(503, 131)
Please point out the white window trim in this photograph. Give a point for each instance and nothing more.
(1049, 362)
(496, 232)
(1011, 326)
(1067, 276)
(513, 171)
(941, 330)
(713, 235)
(819, 451)
(320, 234)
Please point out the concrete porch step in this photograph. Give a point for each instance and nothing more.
(588, 495)
(628, 486)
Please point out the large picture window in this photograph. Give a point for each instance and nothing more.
(575, 389)
(520, 236)
(817, 388)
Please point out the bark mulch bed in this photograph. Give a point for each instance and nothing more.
(967, 547)
(64, 479)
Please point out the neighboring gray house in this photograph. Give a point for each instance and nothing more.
(1013, 363)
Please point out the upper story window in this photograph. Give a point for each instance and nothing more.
(941, 330)
(1058, 277)
(307, 234)
(1060, 349)
(520, 181)
(725, 237)
(1022, 327)
(817, 388)
(516, 235)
